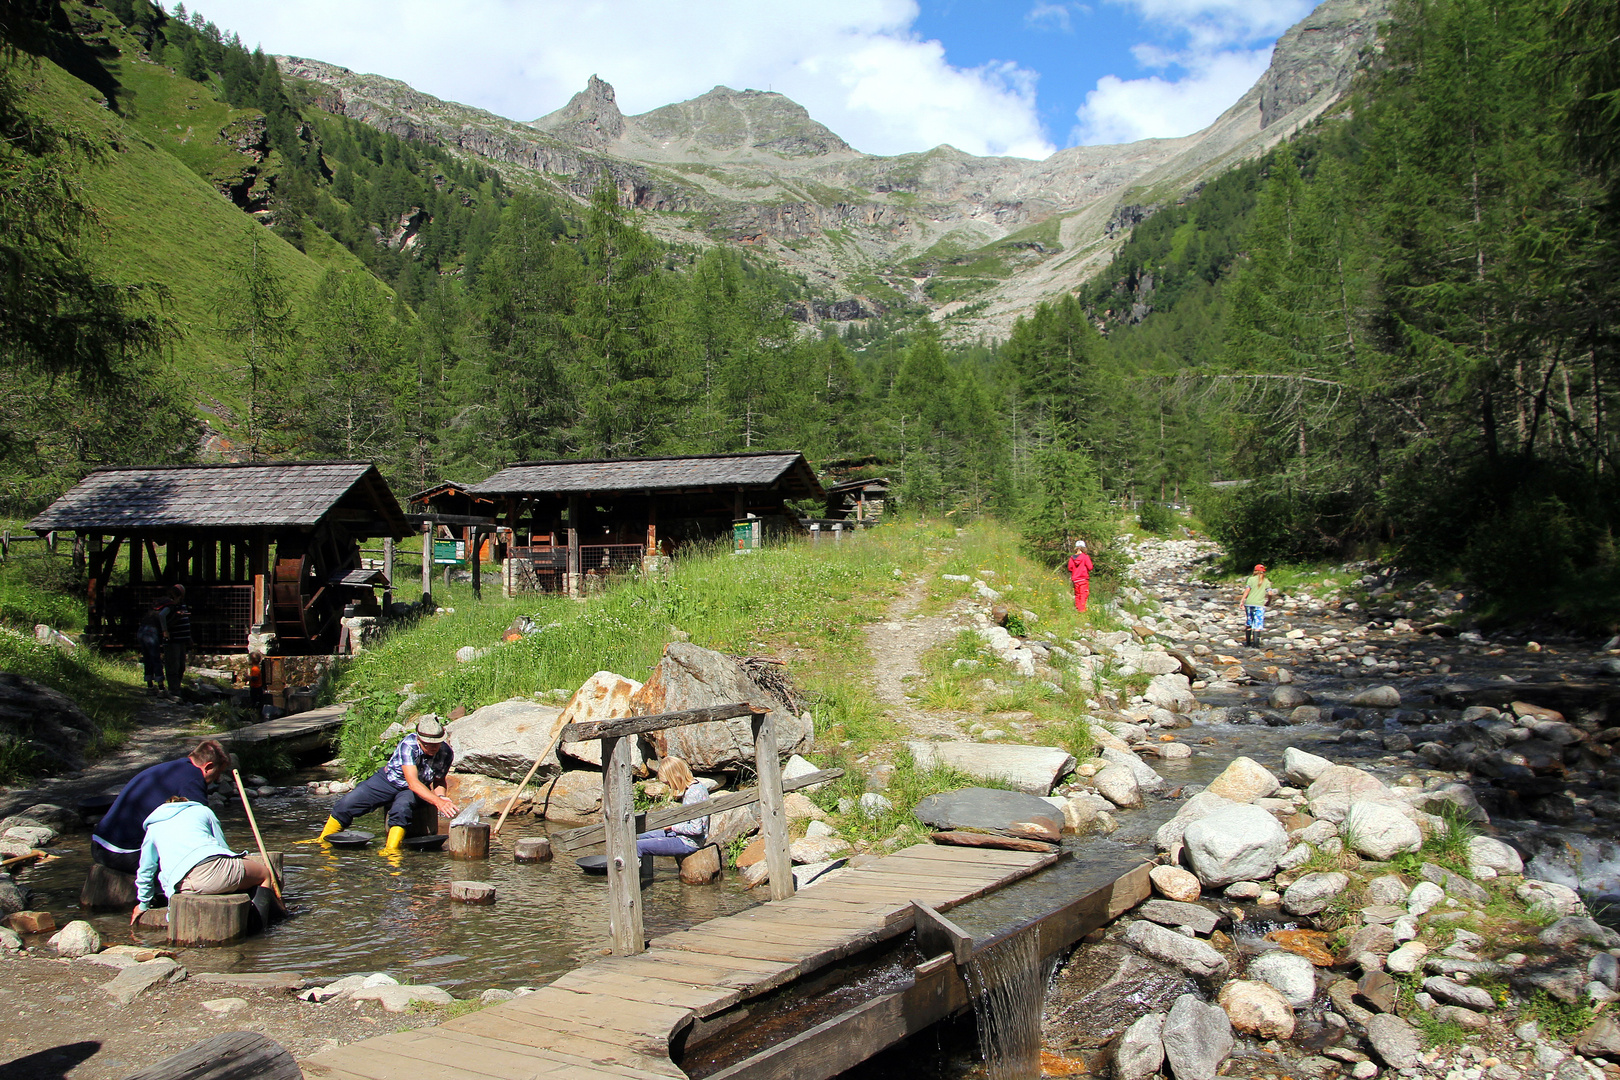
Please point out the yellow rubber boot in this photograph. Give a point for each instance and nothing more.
(396, 837)
(332, 825)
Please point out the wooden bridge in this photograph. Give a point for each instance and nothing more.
(619, 1017)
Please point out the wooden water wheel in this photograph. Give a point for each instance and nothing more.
(306, 600)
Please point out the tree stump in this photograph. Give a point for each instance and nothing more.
(532, 849)
(153, 919)
(235, 1055)
(199, 919)
(702, 866)
(468, 841)
(472, 892)
(106, 888)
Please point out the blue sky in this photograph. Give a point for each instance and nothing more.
(1018, 77)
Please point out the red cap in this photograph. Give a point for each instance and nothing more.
(1259, 566)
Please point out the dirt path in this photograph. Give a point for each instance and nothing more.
(897, 644)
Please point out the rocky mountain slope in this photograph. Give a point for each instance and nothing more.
(979, 240)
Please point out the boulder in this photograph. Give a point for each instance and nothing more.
(1139, 1050)
(402, 998)
(77, 938)
(1394, 1040)
(1200, 805)
(1314, 892)
(1572, 928)
(1376, 939)
(46, 721)
(729, 825)
(1302, 768)
(1406, 959)
(1492, 854)
(1031, 769)
(691, 677)
(796, 766)
(137, 979)
(1172, 692)
(1201, 920)
(1602, 1039)
(1423, 897)
(1344, 780)
(502, 740)
(1380, 831)
(1287, 697)
(818, 849)
(1158, 663)
(35, 836)
(1455, 993)
(1456, 885)
(1011, 812)
(1197, 1038)
(1387, 889)
(1146, 778)
(1243, 781)
(1293, 976)
(603, 696)
(1175, 883)
(575, 797)
(1257, 1008)
(1118, 785)
(1193, 956)
(1239, 843)
(1550, 898)
(1377, 697)
(1304, 714)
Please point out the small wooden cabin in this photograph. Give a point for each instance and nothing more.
(572, 521)
(259, 547)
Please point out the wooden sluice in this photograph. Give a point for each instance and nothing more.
(622, 1017)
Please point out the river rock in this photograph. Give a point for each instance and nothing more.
(1394, 1040)
(401, 998)
(1304, 714)
(1344, 780)
(77, 938)
(1199, 806)
(1303, 768)
(35, 836)
(575, 797)
(1201, 920)
(1550, 898)
(1455, 884)
(1257, 1008)
(603, 696)
(1172, 692)
(1423, 897)
(137, 979)
(1377, 697)
(1034, 770)
(1293, 976)
(502, 740)
(1287, 697)
(1190, 954)
(1146, 778)
(1235, 844)
(1387, 889)
(1011, 812)
(1139, 1051)
(1197, 1038)
(1243, 781)
(1158, 663)
(1572, 928)
(1377, 939)
(797, 766)
(1406, 959)
(1448, 990)
(1380, 831)
(817, 849)
(1118, 785)
(1492, 854)
(1602, 1039)
(1314, 892)
(691, 677)
(1175, 883)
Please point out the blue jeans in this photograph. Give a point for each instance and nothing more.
(373, 793)
(664, 842)
(1254, 617)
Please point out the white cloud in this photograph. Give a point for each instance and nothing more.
(856, 65)
(1048, 16)
(1213, 24)
(1124, 110)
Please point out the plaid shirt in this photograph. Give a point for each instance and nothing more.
(430, 770)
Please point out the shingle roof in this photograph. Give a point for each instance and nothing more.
(785, 468)
(119, 499)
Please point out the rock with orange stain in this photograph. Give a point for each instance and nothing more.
(1311, 944)
(1056, 1064)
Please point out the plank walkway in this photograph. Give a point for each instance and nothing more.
(614, 1018)
(297, 733)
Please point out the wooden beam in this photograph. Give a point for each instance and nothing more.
(573, 545)
(636, 725)
(585, 836)
(427, 559)
(936, 934)
(623, 864)
(772, 810)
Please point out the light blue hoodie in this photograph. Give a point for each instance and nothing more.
(178, 837)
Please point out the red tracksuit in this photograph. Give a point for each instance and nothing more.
(1080, 574)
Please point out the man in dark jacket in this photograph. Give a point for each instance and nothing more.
(175, 617)
(116, 840)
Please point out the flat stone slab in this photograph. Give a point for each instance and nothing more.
(274, 981)
(132, 982)
(1031, 769)
(1010, 812)
(1174, 913)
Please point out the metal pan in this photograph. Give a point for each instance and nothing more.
(426, 843)
(350, 838)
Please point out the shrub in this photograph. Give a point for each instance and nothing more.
(1155, 517)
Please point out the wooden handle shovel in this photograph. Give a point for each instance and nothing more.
(555, 739)
(275, 886)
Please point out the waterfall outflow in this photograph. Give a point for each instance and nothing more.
(1009, 988)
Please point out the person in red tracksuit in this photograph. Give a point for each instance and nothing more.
(1080, 574)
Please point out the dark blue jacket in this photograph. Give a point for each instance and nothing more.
(123, 826)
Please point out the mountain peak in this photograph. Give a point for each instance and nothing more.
(591, 117)
(731, 120)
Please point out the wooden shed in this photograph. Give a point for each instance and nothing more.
(259, 547)
(574, 521)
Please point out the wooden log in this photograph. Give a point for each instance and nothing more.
(106, 888)
(235, 1055)
(636, 725)
(960, 838)
(469, 842)
(199, 919)
(702, 866)
(623, 864)
(532, 849)
(772, 808)
(936, 934)
(472, 892)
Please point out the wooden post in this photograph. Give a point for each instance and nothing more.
(573, 548)
(772, 808)
(473, 536)
(936, 934)
(652, 525)
(623, 864)
(135, 562)
(388, 571)
(472, 892)
(427, 558)
(198, 919)
(469, 842)
(532, 849)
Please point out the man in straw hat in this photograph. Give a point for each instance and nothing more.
(417, 770)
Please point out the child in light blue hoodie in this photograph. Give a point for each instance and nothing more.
(185, 851)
